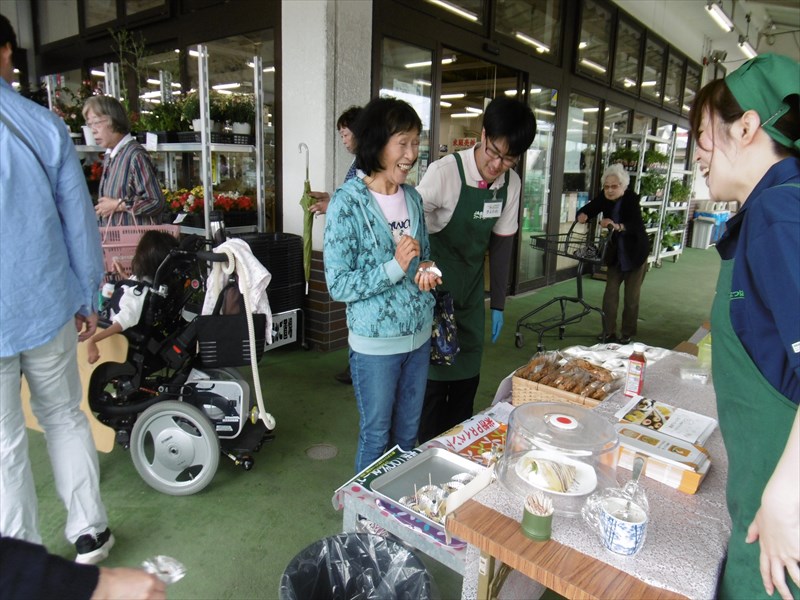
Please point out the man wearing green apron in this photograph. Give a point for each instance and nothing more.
(471, 202)
(748, 150)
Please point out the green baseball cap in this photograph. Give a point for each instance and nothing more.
(762, 84)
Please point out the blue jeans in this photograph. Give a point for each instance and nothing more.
(389, 392)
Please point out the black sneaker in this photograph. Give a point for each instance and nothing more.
(624, 340)
(92, 549)
(610, 338)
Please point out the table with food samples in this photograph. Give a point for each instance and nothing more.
(686, 534)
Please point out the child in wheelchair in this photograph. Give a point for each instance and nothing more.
(174, 412)
(124, 309)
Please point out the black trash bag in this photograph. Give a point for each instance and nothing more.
(356, 566)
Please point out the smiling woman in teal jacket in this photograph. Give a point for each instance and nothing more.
(375, 240)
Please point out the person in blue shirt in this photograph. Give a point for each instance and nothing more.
(747, 128)
(50, 271)
(376, 261)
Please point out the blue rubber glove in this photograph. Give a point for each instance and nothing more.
(497, 324)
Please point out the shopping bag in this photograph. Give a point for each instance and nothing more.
(222, 336)
(444, 338)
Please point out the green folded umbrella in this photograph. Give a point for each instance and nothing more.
(306, 200)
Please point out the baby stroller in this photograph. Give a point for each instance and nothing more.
(174, 415)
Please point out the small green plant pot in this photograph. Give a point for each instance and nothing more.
(536, 527)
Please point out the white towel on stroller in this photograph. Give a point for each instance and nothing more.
(253, 279)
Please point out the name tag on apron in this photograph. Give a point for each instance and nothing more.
(492, 209)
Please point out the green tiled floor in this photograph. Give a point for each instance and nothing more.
(237, 535)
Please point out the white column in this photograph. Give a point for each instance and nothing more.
(326, 62)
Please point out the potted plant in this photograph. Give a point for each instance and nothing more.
(627, 156)
(163, 118)
(191, 110)
(652, 184)
(678, 191)
(240, 110)
(655, 160)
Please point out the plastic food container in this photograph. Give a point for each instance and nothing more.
(564, 450)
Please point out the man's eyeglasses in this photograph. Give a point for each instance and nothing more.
(494, 154)
(97, 122)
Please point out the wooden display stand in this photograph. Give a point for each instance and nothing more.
(114, 349)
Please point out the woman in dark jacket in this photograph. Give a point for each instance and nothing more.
(626, 254)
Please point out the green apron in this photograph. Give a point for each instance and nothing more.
(755, 421)
(459, 251)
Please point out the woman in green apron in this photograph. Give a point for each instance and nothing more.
(748, 149)
(471, 201)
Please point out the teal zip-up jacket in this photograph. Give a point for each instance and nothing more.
(386, 311)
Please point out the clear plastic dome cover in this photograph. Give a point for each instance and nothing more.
(564, 450)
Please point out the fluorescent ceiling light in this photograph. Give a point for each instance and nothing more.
(147, 95)
(648, 83)
(97, 73)
(445, 104)
(15, 84)
(224, 91)
(472, 109)
(720, 18)
(16, 71)
(686, 108)
(153, 81)
(456, 10)
(580, 121)
(264, 70)
(543, 111)
(510, 92)
(628, 82)
(747, 49)
(582, 45)
(536, 90)
(593, 65)
(427, 63)
(451, 96)
(422, 82)
(467, 115)
(541, 47)
(226, 86)
(194, 53)
(591, 110)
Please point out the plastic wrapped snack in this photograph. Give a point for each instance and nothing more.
(166, 568)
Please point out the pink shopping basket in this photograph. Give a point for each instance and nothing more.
(119, 244)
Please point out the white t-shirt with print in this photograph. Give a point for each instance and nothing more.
(396, 212)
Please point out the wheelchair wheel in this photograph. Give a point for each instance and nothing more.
(174, 448)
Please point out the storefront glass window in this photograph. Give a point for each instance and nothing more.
(98, 12)
(627, 57)
(536, 183)
(641, 123)
(230, 71)
(615, 122)
(468, 10)
(595, 40)
(136, 6)
(580, 162)
(534, 23)
(690, 88)
(406, 73)
(674, 82)
(653, 75)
